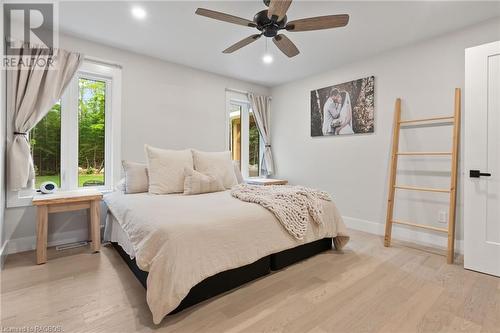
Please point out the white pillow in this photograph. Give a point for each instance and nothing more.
(218, 164)
(136, 177)
(237, 172)
(196, 183)
(166, 169)
(120, 186)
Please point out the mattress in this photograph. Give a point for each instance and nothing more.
(181, 240)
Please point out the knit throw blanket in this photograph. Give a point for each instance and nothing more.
(293, 206)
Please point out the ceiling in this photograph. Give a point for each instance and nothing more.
(171, 31)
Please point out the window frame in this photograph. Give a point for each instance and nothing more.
(93, 70)
(241, 99)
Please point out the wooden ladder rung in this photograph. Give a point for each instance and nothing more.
(429, 153)
(420, 226)
(423, 189)
(423, 120)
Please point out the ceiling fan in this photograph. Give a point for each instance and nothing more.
(270, 21)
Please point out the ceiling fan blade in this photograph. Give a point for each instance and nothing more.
(318, 23)
(241, 43)
(224, 17)
(278, 8)
(286, 45)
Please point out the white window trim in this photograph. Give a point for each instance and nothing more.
(234, 97)
(69, 126)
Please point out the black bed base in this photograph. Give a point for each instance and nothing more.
(288, 257)
(230, 279)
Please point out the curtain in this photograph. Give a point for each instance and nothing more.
(35, 86)
(261, 106)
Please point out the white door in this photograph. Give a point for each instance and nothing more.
(482, 159)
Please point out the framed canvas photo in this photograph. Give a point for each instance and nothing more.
(346, 108)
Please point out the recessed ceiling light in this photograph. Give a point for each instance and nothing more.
(267, 58)
(139, 13)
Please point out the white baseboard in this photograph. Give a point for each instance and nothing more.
(29, 243)
(405, 234)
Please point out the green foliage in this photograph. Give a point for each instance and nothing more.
(91, 119)
(53, 178)
(254, 141)
(45, 141)
(90, 171)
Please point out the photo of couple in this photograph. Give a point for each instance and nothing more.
(346, 108)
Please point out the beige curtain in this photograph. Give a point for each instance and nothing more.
(34, 87)
(261, 106)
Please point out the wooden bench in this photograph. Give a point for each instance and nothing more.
(64, 201)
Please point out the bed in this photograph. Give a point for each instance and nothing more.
(185, 249)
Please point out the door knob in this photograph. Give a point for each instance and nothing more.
(477, 174)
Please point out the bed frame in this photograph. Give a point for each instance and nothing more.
(230, 279)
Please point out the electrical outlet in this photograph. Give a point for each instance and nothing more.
(443, 216)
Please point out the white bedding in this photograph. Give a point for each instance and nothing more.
(181, 240)
(113, 232)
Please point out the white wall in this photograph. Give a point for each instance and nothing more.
(163, 104)
(2, 163)
(2, 151)
(355, 169)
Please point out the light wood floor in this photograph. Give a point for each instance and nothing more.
(368, 288)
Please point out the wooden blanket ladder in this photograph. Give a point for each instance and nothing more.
(393, 186)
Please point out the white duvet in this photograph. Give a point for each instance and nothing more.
(181, 240)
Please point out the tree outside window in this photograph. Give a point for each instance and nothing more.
(91, 135)
(45, 139)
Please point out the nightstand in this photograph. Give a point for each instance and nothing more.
(64, 201)
(265, 181)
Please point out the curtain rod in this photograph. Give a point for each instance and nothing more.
(241, 91)
(237, 91)
(103, 62)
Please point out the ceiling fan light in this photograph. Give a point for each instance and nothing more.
(138, 12)
(267, 58)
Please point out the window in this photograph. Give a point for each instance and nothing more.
(254, 151)
(91, 132)
(77, 144)
(244, 139)
(235, 132)
(45, 141)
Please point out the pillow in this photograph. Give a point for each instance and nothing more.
(120, 186)
(218, 164)
(136, 177)
(196, 183)
(237, 172)
(166, 169)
